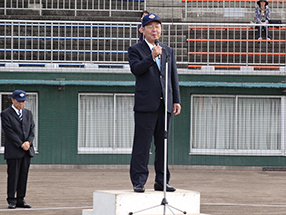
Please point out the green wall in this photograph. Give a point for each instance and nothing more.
(58, 122)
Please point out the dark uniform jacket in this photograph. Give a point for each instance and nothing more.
(17, 132)
(150, 82)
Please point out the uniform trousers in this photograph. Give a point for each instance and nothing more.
(147, 125)
(17, 178)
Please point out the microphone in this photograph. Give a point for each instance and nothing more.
(156, 44)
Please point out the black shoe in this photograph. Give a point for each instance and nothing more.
(23, 205)
(159, 187)
(139, 188)
(12, 206)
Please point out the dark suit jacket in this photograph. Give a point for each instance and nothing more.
(17, 132)
(150, 82)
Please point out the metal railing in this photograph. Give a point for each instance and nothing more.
(227, 9)
(61, 41)
(74, 5)
(235, 45)
(195, 44)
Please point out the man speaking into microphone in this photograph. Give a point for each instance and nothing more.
(147, 61)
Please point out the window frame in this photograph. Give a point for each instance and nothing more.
(103, 150)
(241, 152)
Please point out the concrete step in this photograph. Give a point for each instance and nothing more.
(127, 202)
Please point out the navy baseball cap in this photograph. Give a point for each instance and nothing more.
(149, 18)
(19, 95)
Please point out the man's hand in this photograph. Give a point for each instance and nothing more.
(177, 109)
(26, 145)
(157, 50)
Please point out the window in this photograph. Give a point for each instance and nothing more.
(31, 104)
(237, 125)
(105, 123)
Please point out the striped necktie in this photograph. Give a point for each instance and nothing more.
(20, 115)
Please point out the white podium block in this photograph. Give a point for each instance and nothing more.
(87, 212)
(116, 202)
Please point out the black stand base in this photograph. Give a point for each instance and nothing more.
(165, 204)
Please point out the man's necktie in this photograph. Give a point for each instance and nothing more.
(158, 62)
(20, 115)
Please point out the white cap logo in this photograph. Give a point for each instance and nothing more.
(22, 95)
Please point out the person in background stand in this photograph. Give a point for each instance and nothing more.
(140, 29)
(18, 126)
(147, 61)
(262, 16)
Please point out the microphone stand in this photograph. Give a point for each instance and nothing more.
(164, 200)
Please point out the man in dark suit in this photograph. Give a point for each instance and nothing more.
(149, 102)
(18, 126)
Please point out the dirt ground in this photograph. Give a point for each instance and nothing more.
(67, 191)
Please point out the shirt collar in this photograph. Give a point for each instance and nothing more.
(150, 45)
(15, 109)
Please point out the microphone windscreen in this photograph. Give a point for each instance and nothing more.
(156, 42)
